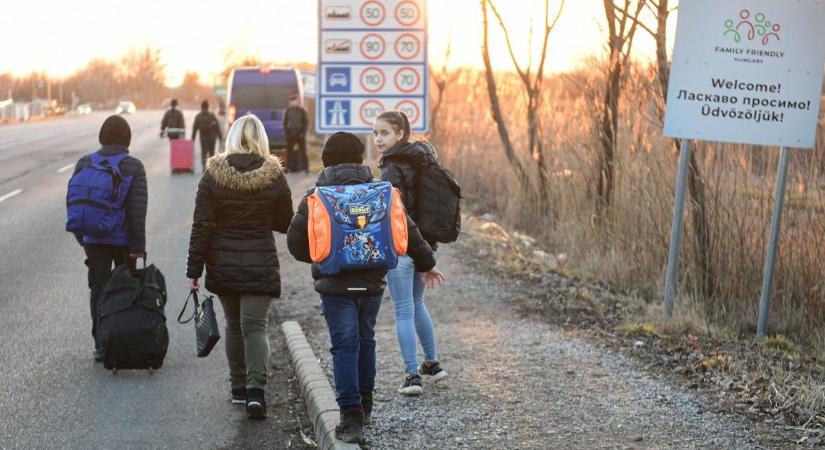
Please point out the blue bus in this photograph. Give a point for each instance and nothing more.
(264, 92)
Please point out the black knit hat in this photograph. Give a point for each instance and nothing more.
(115, 131)
(341, 148)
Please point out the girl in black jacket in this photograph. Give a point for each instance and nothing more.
(399, 161)
(242, 198)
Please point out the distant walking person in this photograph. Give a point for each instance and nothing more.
(106, 207)
(295, 128)
(207, 124)
(173, 125)
(351, 297)
(242, 198)
(401, 163)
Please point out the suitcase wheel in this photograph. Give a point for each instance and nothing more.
(114, 370)
(151, 370)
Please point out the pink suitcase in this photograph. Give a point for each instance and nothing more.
(182, 153)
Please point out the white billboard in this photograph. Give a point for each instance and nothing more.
(747, 71)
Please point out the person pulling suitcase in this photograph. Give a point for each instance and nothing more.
(106, 208)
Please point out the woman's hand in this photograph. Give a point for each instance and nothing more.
(193, 284)
(433, 278)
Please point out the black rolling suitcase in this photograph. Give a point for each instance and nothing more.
(132, 322)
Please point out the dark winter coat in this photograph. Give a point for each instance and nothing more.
(173, 118)
(242, 198)
(400, 165)
(207, 125)
(362, 283)
(137, 200)
(295, 121)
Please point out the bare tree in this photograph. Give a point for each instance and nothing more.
(661, 10)
(533, 85)
(621, 31)
(441, 80)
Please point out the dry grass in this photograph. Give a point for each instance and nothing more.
(629, 251)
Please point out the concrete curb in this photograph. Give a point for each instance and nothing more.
(320, 399)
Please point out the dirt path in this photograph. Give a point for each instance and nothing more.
(515, 383)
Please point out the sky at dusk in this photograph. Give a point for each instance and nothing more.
(59, 37)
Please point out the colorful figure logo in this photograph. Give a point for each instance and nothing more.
(757, 29)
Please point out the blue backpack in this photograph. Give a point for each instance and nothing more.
(95, 201)
(356, 227)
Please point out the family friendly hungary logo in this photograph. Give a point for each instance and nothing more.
(752, 28)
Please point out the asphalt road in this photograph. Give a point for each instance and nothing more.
(53, 394)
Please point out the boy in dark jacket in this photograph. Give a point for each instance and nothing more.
(128, 242)
(351, 299)
(207, 124)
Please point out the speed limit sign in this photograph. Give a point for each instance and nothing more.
(373, 13)
(373, 79)
(372, 57)
(407, 13)
(373, 46)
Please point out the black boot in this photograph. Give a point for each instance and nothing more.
(366, 405)
(255, 404)
(351, 428)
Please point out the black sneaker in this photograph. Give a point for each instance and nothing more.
(255, 404)
(99, 353)
(351, 427)
(239, 396)
(432, 371)
(412, 385)
(366, 405)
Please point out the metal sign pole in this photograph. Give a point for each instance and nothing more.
(685, 147)
(773, 242)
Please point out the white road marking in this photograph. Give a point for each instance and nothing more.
(65, 168)
(10, 195)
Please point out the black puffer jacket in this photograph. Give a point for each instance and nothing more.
(241, 199)
(365, 283)
(137, 200)
(401, 164)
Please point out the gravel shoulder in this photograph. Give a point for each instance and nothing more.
(519, 383)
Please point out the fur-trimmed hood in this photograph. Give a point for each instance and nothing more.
(244, 172)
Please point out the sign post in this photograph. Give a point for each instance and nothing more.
(372, 57)
(750, 72)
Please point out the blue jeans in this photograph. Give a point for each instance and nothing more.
(351, 324)
(411, 315)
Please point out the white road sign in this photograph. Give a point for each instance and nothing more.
(372, 57)
(747, 71)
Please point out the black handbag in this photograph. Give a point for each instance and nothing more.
(206, 324)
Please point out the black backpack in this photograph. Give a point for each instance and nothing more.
(294, 120)
(132, 322)
(438, 214)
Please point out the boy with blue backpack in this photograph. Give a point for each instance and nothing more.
(106, 208)
(353, 230)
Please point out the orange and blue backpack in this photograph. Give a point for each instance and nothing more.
(356, 227)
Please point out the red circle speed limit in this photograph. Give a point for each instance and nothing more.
(370, 110)
(373, 13)
(407, 46)
(372, 79)
(373, 46)
(407, 13)
(407, 79)
(410, 108)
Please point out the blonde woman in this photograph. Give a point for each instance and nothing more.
(242, 198)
